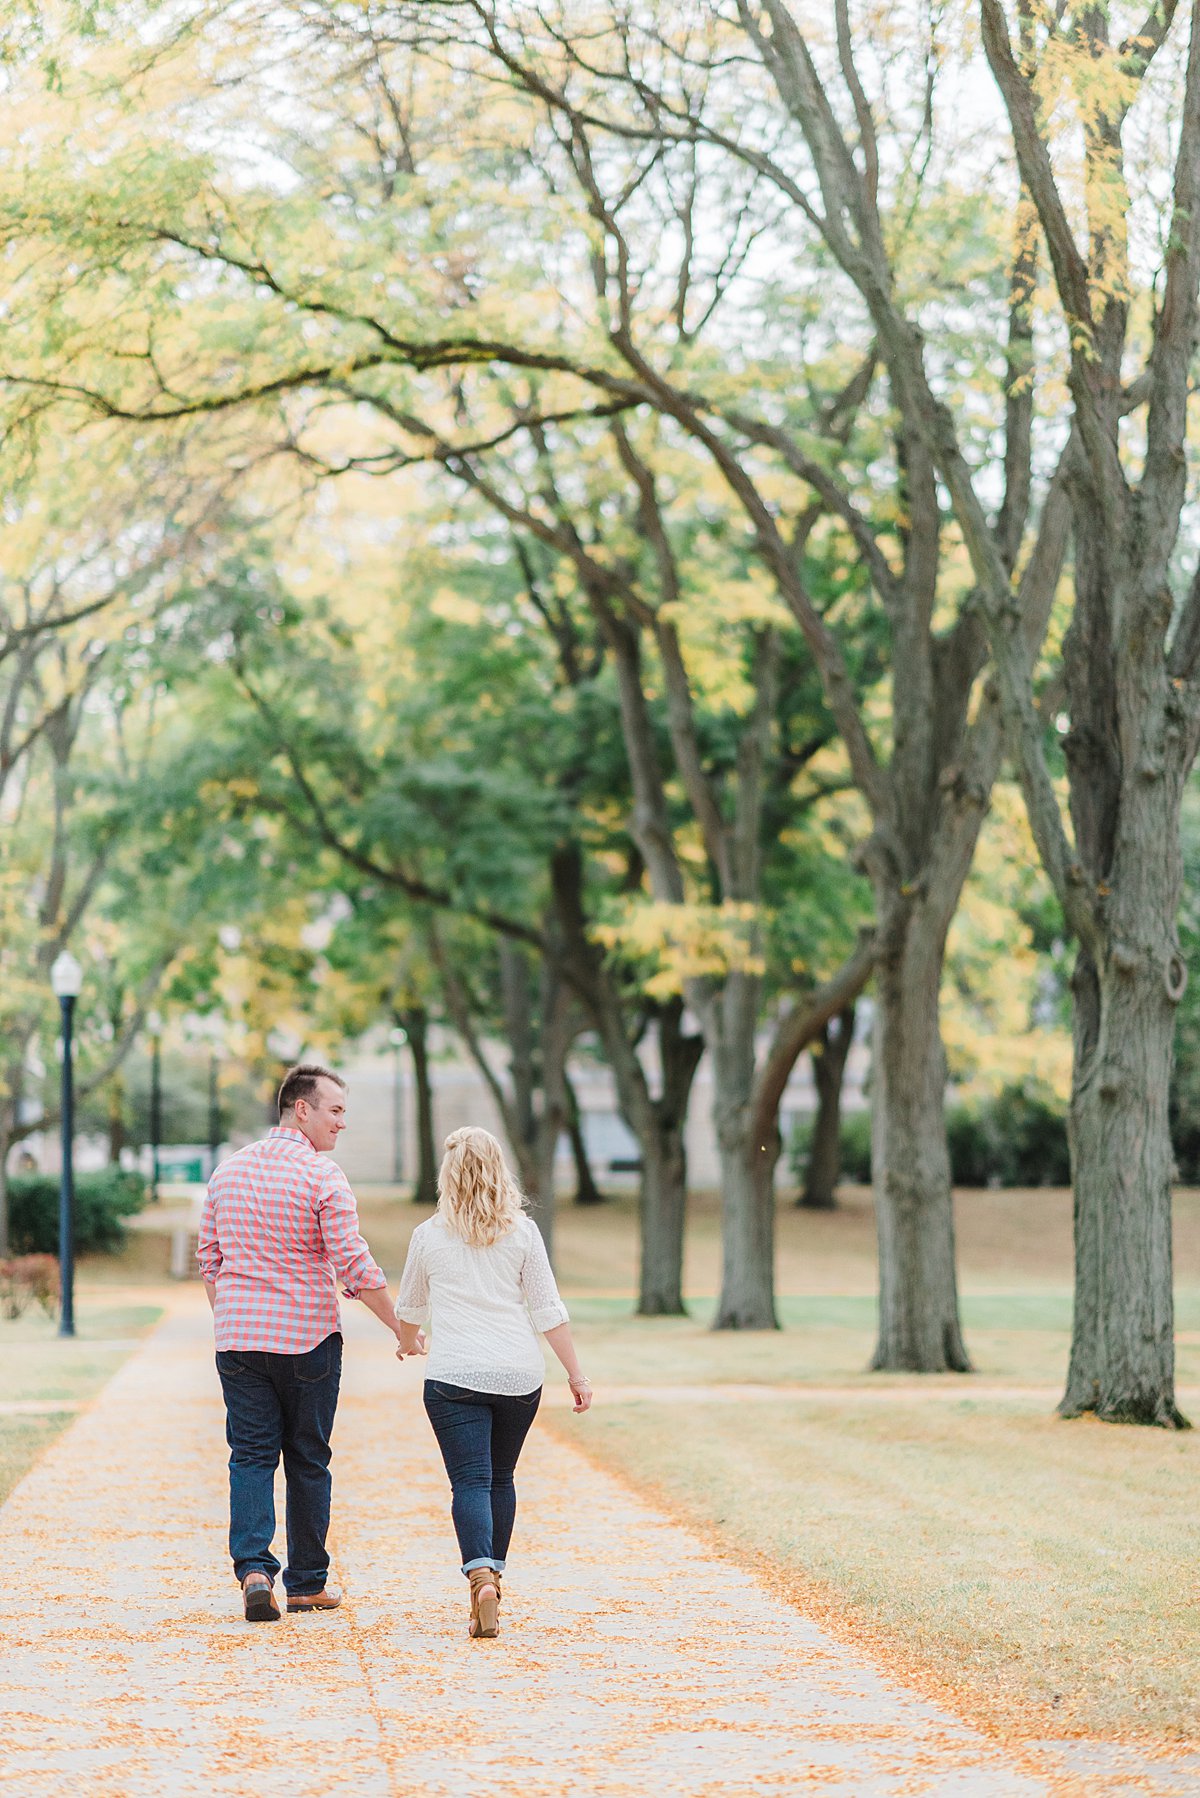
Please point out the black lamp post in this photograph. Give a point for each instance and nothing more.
(397, 1038)
(66, 979)
(155, 1023)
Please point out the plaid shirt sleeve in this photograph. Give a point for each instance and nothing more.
(337, 1217)
(208, 1248)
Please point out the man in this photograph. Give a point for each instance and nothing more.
(279, 1225)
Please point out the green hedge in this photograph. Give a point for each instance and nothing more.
(102, 1202)
(1017, 1138)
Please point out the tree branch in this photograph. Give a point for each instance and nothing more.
(366, 864)
(800, 1024)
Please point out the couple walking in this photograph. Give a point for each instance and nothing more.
(279, 1228)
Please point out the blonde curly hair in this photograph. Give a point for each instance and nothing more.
(477, 1196)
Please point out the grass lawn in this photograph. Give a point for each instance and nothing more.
(1038, 1574)
(1041, 1575)
(37, 1367)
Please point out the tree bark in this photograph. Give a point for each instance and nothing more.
(829, 1055)
(662, 1215)
(659, 1122)
(538, 1111)
(416, 1023)
(5, 1232)
(533, 1103)
(117, 1134)
(747, 1299)
(586, 1190)
(919, 1329)
(1122, 1363)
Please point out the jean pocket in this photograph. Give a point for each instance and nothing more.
(229, 1364)
(441, 1389)
(528, 1399)
(317, 1365)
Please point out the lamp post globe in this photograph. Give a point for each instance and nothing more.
(66, 983)
(66, 976)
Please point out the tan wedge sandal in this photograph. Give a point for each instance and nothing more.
(485, 1602)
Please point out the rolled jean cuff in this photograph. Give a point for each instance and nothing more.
(485, 1561)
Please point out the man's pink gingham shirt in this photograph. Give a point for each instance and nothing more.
(279, 1225)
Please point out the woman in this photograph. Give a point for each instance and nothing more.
(478, 1272)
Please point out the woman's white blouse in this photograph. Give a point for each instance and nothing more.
(484, 1307)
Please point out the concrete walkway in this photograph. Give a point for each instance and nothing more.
(631, 1662)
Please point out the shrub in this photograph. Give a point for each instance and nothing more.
(1016, 1138)
(1028, 1130)
(856, 1147)
(969, 1142)
(1185, 1139)
(27, 1278)
(102, 1202)
(855, 1138)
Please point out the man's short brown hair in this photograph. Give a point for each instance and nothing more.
(301, 1083)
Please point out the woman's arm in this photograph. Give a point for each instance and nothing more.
(562, 1343)
(412, 1306)
(549, 1315)
(411, 1339)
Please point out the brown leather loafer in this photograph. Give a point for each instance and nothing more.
(259, 1600)
(328, 1600)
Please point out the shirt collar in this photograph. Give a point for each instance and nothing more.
(292, 1135)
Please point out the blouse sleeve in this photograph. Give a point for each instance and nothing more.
(546, 1309)
(412, 1305)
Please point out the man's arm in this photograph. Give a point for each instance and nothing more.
(208, 1246)
(361, 1276)
(379, 1300)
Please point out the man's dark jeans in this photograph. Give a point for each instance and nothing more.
(280, 1404)
(481, 1434)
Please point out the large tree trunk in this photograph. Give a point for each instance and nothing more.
(416, 1024)
(747, 1300)
(5, 1145)
(662, 1217)
(545, 1150)
(829, 1056)
(586, 1190)
(538, 1111)
(117, 1133)
(659, 1124)
(919, 1329)
(663, 1211)
(1129, 751)
(1122, 1348)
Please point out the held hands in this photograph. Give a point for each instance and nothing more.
(410, 1341)
(581, 1392)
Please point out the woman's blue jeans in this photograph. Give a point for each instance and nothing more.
(481, 1435)
(280, 1404)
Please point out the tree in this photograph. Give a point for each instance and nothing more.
(472, 792)
(829, 1054)
(1129, 677)
(1132, 672)
(628, 138)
